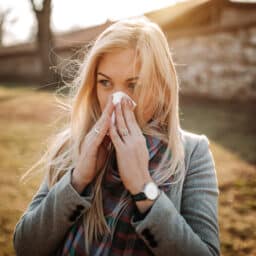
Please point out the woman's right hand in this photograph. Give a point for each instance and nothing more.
(91, 149)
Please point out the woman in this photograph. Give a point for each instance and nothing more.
(137, 186)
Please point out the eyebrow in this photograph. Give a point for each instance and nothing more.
(128, 79)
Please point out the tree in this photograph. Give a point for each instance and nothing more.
(42, 10)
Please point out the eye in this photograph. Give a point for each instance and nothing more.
(104, 82)
(132, 85)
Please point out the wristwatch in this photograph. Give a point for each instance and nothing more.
(150, 191)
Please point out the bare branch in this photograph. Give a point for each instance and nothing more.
(33, 6)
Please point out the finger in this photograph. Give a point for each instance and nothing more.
(107, 113)
(102, 125)
(99, 132)
(130, 118)
(120, 122)
(109, 107)
(117, 141)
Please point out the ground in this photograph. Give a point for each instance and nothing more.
(28, 116)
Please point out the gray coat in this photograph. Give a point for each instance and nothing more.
(183, 221)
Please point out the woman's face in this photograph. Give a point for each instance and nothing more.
(117, 72)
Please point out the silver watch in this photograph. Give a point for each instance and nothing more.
(150, 191)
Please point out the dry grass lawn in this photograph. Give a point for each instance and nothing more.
(28, 117)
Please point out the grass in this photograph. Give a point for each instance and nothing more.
(232, 134)
(28, 117)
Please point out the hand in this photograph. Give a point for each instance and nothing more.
(131, 150)
(93, 152)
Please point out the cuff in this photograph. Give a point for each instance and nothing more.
(152, 215)
(66, 182)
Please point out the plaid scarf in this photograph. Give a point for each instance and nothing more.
(125, 240)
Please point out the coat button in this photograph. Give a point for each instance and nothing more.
(80, 207)
(72, 218)
(74, 215)
(146, 232)
(150, 237)
(153, 243)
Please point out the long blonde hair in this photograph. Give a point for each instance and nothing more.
(158, 89)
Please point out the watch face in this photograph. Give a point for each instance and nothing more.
(151, 191)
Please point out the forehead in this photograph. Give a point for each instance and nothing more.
(122, 62)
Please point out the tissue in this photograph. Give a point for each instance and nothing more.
(117, 96)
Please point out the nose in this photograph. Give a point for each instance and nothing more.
(127, 92)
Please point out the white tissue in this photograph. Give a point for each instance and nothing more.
(117, 96)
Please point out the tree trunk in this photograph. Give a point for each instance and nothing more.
(45, 42)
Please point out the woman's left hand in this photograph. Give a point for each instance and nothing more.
(131, 150)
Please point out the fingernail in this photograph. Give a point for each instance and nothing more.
(130, 103)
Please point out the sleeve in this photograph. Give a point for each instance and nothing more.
(195, 230)
(51, 213)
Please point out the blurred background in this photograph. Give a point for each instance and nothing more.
(213, 43)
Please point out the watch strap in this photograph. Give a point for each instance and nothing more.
(139, 197)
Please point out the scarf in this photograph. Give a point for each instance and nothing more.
(124, 239)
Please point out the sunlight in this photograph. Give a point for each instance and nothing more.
(66, 15)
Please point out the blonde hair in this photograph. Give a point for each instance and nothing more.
(159, 89)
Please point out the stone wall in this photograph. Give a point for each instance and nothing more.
(25, 67)
(20, 68)
(217, 65)
(220, 65)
